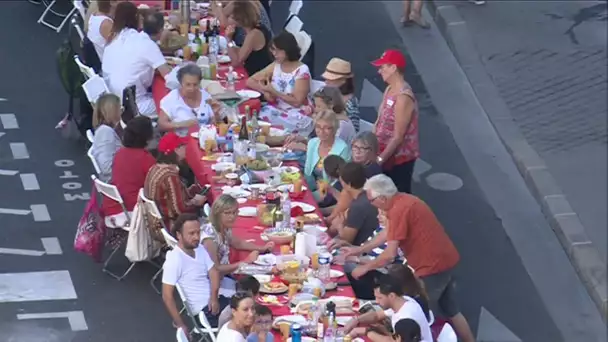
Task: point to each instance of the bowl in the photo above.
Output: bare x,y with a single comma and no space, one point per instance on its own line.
280,236
273,158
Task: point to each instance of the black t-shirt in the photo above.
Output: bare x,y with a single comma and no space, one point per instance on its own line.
363,217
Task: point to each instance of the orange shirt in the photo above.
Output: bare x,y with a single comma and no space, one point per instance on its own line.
421,237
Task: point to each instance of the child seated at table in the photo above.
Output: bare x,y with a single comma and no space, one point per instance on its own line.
245,284
332,165
260,332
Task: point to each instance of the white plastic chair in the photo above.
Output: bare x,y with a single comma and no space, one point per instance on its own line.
90,135
181,336
447,334
119,221
315,85
304,42
295,7
365,126
204,327
94,87
79,5
151,208
87,71
49,8
74,23
93,161
294,25
207,209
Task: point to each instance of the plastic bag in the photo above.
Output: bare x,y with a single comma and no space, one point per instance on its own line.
91,230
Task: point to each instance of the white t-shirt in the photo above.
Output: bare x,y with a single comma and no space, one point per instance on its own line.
228,335
131,59
191,274
412,310
178,111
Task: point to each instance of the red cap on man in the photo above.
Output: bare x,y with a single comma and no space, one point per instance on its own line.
170,142
390,56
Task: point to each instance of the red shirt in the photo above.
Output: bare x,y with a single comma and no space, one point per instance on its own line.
427,247
129,171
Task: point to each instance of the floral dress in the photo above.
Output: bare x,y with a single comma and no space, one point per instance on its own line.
283,114
227,284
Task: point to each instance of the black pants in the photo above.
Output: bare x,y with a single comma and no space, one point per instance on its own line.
364,286
401,174
213,319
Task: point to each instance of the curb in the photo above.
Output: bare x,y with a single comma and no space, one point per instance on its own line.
563,220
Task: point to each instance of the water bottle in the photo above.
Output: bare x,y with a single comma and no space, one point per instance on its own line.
229,140
230,78
324,267
296,332
330,332
286,208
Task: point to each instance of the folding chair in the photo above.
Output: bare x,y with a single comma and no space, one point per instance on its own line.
295,7
49,8
118,221
447,334
76,26
181,336
316,85
204,327
90,135
93,160
80,7
87,71
294,25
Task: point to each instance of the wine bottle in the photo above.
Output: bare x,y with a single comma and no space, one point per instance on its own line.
244,133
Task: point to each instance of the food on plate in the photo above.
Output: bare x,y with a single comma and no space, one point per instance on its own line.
210,158
309,218
289,177
274,286
257,165
269,299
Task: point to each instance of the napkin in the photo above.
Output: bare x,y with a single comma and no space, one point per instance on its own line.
297,211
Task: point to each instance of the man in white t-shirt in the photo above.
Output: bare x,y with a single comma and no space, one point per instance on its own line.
131,58
390,296
189,266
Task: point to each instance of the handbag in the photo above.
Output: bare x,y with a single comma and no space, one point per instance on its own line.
140,245
91,230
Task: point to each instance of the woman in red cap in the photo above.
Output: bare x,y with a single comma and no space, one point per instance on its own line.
397,124
164,185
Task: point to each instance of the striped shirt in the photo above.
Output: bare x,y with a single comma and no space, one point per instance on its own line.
352,111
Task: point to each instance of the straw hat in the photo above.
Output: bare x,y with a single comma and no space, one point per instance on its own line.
336,69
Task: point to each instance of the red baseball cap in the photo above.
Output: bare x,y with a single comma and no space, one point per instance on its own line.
170,142
394,57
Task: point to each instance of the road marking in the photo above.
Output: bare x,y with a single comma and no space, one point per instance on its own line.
3,99
36,286
29,181
419,168
51,246
19,151
371,96
491,329
444,181
40,212
23,252
14,211
76,318
1,134
9,121
8,172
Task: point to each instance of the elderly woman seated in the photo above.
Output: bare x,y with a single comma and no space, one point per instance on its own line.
286,86
217,238
188,105
318,148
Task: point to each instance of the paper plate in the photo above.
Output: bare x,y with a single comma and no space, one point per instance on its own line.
266,260
194,135
277,132
248,94
307,208
248,211
261,148
223,166
289,187
222,59
290,319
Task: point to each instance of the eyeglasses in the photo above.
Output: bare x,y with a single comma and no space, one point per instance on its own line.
231,212
360,148
264,322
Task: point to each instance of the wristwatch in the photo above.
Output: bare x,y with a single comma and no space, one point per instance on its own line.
231,44
379,160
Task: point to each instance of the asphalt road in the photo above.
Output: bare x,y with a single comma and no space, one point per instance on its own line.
491,274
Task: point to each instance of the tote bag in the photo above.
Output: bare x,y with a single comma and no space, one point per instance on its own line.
140,245
90,233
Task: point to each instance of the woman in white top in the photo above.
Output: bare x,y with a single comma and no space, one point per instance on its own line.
286,86
189,105
99,25
242,319
106,142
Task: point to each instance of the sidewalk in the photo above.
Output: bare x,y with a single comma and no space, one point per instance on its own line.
539,69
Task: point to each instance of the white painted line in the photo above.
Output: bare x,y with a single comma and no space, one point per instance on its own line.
29,181
51,246
8,172
36,286
1,134
24,252
3,99
76,318
9,121
40,212
19,151
14,211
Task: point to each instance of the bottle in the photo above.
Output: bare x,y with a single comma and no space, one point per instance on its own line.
198,42
314,314
205,47
286,208
247,112
244,133
229,141
296,332
213,66
230,78
324,267
330,332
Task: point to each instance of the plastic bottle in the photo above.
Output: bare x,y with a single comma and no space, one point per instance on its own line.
229,141
286,208
230,78
324,267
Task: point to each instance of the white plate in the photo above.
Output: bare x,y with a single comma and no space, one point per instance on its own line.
261,148
289,187
223,59
342,320
231,176
277,132
248,211
312,228
248,94
266,260
291,319
237,192
259,186
223,166
336,274
241,200
288,169
263,278
194,135
305,206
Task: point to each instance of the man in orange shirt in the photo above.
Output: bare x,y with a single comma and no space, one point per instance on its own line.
414,228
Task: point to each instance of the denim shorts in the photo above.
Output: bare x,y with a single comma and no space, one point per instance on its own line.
441,289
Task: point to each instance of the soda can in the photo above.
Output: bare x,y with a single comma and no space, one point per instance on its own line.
296,332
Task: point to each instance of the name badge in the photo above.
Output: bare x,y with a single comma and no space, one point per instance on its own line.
390,103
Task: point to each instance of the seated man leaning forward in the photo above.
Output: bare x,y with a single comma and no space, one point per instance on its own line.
132,57
189,267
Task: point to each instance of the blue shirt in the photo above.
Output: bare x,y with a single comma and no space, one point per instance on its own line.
254,338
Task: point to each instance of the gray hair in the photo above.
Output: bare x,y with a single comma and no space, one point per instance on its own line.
381,185
330,117
367,139
189,69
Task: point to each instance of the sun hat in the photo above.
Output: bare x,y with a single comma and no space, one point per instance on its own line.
336,69
170,142
390,56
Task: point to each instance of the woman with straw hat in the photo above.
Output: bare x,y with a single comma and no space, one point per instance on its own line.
338,74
